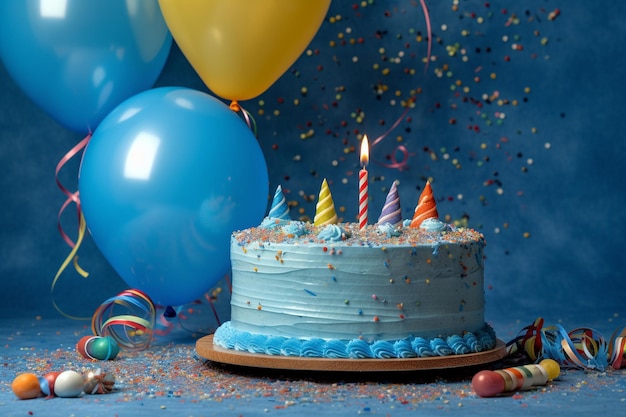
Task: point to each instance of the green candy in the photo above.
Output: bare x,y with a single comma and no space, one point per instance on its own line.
103,348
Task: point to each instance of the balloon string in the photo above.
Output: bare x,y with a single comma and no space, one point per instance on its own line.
82,226
395,163
72,197
429,32
402,150
236,107
164,326
217,316
230,286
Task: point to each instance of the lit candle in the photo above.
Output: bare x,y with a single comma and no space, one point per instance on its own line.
363,183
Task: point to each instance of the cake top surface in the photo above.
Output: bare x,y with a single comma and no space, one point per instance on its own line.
276,231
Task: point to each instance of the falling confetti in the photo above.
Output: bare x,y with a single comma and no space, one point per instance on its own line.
459,120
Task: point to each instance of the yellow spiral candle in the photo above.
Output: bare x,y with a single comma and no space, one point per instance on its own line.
325,208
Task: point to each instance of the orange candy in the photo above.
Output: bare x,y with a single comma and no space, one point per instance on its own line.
26,386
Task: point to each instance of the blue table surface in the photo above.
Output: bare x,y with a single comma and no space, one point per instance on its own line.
169,377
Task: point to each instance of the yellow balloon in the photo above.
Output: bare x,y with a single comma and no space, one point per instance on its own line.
239,48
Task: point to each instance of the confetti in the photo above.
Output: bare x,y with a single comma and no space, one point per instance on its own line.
356,79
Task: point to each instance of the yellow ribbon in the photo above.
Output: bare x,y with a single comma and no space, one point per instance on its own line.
72,257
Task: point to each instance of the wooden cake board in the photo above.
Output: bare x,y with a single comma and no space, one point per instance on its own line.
207,350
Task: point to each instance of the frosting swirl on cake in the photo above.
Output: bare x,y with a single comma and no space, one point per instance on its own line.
294,228
435,225
332,233
410,347
389,229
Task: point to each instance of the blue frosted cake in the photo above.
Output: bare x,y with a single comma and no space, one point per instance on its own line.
326,289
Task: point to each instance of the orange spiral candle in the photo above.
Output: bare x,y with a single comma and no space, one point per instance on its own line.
426,207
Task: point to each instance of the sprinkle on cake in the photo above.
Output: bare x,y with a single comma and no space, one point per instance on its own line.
424,229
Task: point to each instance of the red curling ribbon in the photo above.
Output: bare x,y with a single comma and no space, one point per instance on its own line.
429,32
530,342
213,309
400,165
72,197
230,286
395,163
163,326
582,348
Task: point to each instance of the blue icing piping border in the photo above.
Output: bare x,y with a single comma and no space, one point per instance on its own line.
411,347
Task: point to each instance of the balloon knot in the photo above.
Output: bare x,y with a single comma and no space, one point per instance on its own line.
169,312
234,106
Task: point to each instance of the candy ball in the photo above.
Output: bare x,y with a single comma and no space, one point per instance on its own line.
488,383
552,368
26,386
104,348
81,346
46,383
68,384
98,348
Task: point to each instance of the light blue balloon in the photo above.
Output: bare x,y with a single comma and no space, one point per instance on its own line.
78,59
164,181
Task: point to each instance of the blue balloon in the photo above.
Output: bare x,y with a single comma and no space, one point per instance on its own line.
165,179
78,59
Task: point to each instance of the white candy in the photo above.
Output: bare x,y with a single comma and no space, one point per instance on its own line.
68,384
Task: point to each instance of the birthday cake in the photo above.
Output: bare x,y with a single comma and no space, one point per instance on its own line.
397,289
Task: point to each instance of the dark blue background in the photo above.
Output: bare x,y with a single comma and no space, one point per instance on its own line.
544,183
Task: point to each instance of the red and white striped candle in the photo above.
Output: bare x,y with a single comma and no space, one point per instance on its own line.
363,183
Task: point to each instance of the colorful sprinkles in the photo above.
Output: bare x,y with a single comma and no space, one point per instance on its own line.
171,378
370,236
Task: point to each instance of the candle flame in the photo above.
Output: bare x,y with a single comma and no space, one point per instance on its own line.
365,151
